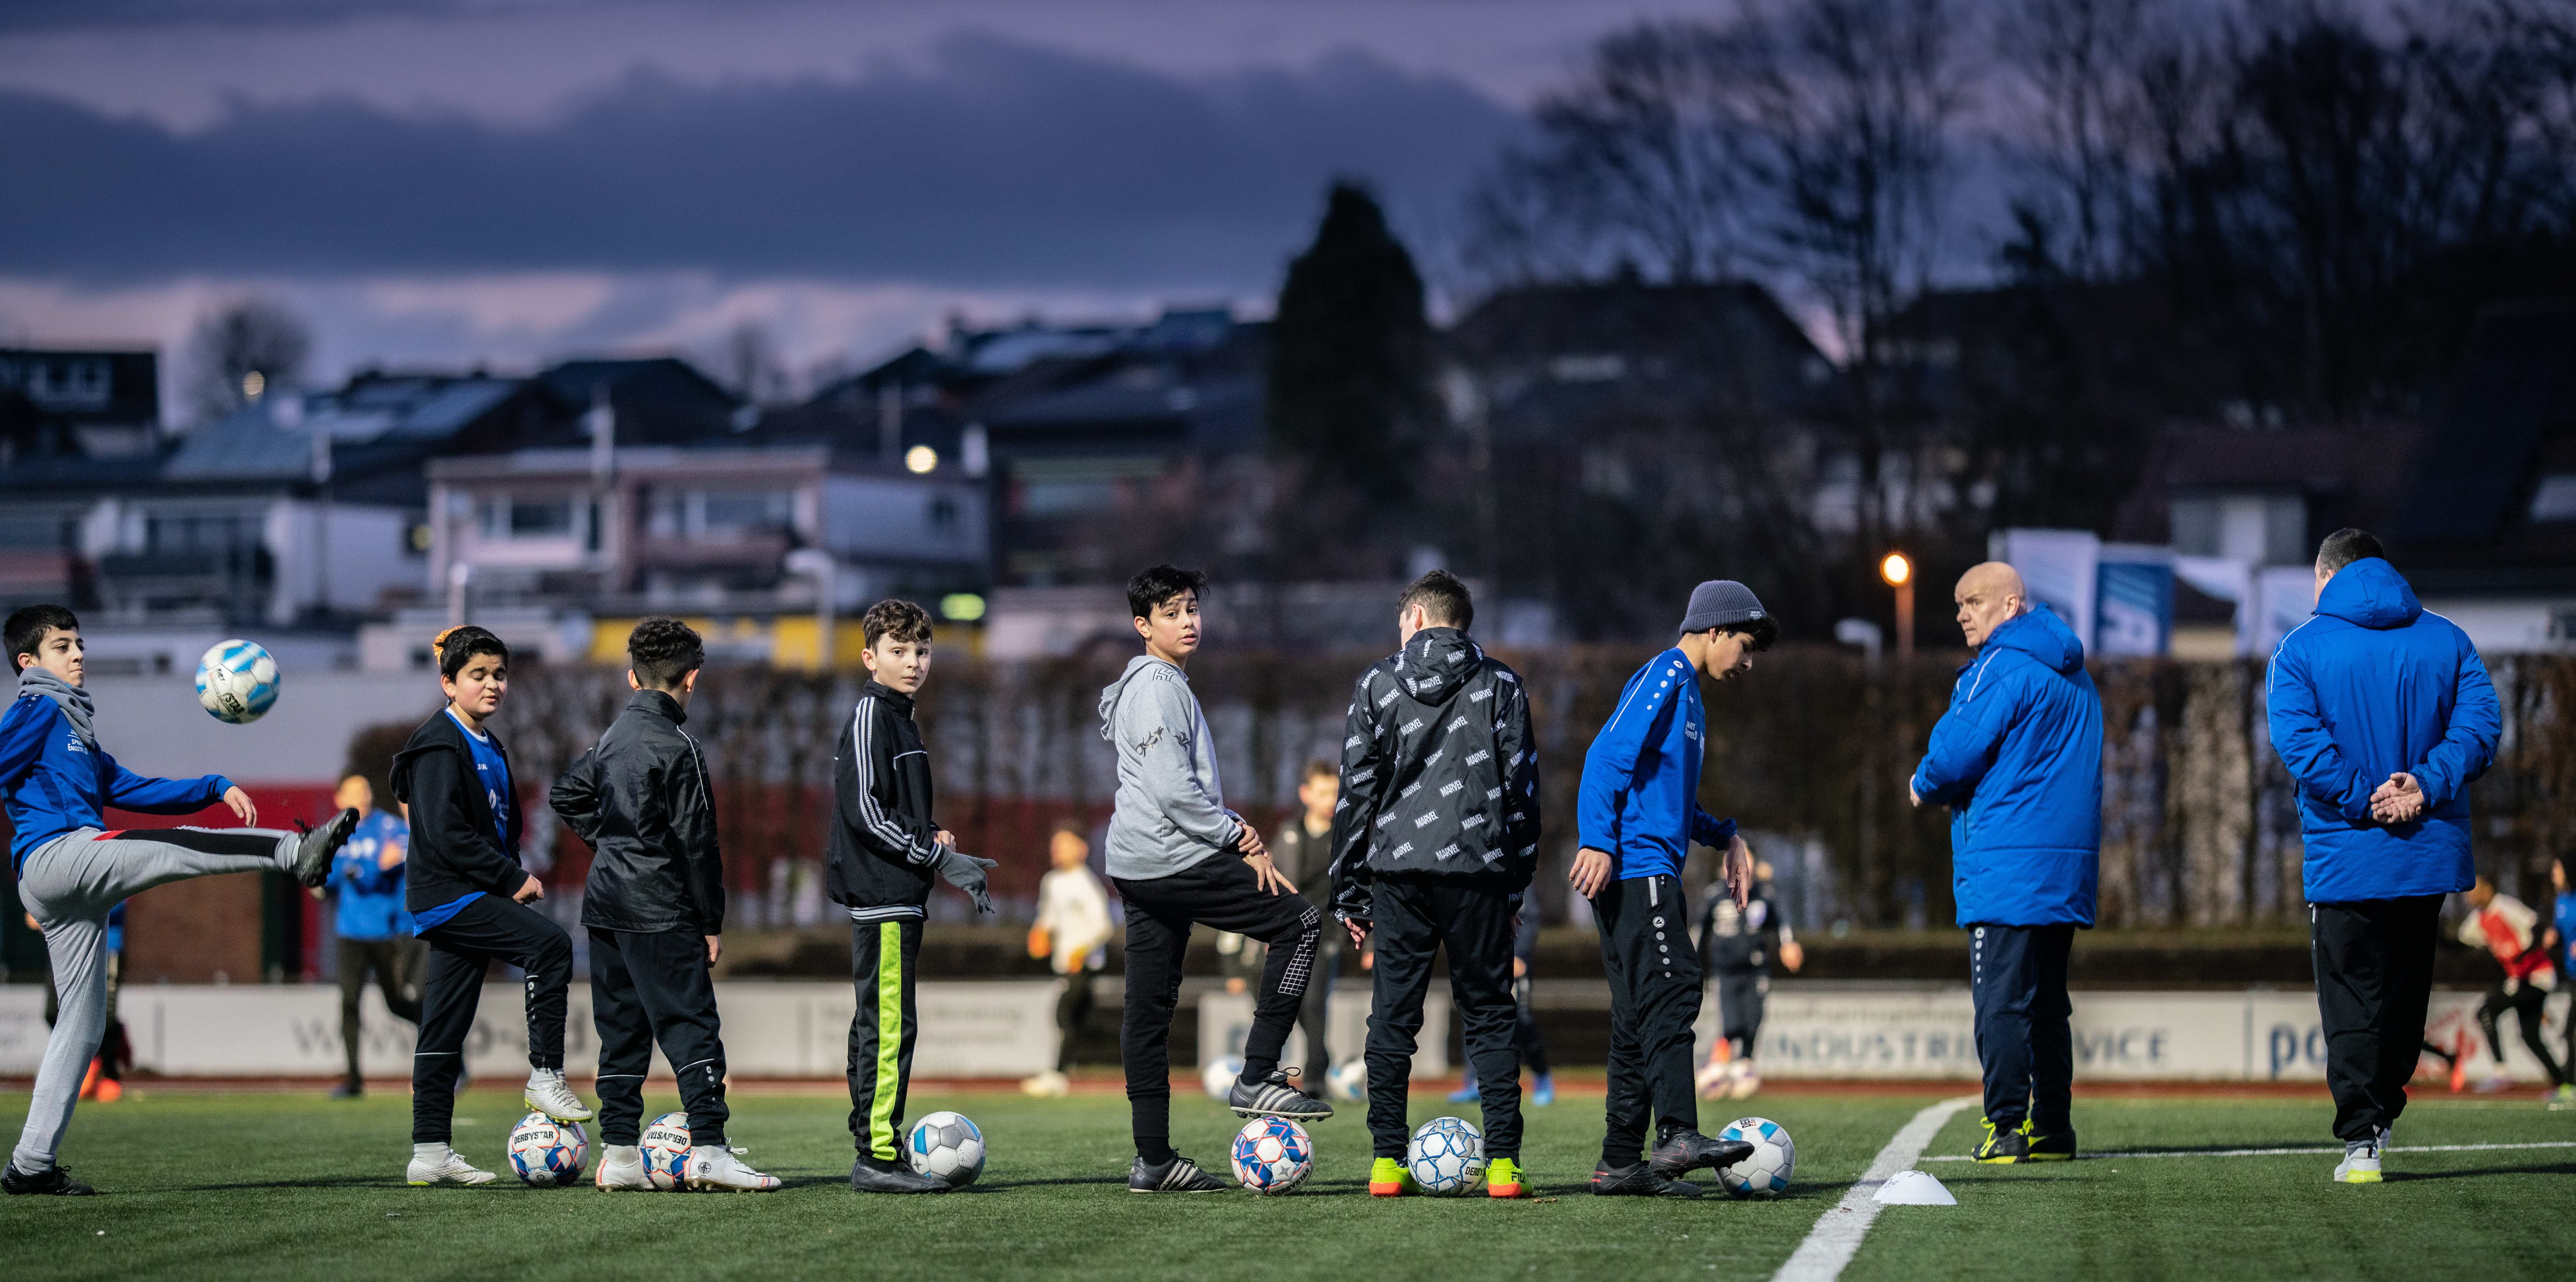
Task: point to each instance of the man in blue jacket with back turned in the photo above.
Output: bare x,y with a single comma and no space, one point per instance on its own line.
2383,713
2018,759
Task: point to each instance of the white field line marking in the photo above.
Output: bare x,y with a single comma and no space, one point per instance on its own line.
2304,1152
1830,1245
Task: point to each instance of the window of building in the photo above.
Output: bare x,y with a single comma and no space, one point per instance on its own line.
525,517
719,514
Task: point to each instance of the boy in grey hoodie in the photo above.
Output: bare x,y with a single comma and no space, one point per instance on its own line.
1179,857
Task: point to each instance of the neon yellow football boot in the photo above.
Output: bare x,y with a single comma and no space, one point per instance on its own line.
1388,1178
1503,1179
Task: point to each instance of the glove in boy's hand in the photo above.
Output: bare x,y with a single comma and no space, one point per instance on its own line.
967,873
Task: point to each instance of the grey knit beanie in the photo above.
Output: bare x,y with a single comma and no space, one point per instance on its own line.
1719,603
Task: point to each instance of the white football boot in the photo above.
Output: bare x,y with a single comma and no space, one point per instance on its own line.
621,1168
548,1094
1047,1085
439,1164
2360,1163
717,1170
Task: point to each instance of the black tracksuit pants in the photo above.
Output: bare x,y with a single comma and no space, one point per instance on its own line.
2525,1001
1531,1043
1221,893
883,955
391,960
1740,996
2025,1036
648,987
1072,1011
1471,918
1654,999
1314,1010
2374,964
492,928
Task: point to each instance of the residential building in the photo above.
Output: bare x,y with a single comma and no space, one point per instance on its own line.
92,403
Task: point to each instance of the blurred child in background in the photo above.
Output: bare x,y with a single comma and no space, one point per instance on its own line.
1072,933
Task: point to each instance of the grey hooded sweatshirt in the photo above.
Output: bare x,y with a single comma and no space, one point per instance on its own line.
1171,809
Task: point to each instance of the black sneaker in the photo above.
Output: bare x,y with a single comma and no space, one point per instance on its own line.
1180,1175
1272,1096
2054,1145
1685,1151
313,857
868,1175
55,1181
350,1089
2005,1147
1638,1179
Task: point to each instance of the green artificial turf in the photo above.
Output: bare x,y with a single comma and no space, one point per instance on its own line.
258,1186
2492,1215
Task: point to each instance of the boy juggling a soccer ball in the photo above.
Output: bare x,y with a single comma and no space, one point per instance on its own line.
1179,858
655,911
885,848
56,780
1639,813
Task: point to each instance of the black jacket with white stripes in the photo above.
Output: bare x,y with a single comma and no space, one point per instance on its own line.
1439,774
883,840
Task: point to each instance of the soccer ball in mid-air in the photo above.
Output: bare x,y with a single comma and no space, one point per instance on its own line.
665,1145
548,1153
1446,1156
946,1147
1218,1077
1766,1172
1273,1155
237,681
1348,1081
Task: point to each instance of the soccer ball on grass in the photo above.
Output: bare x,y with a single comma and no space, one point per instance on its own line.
547,1153
946,1147
1273,1155
665,1145
1348,1081
1766,1172
1446,1156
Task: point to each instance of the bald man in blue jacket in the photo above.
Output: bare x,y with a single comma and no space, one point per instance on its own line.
2018,759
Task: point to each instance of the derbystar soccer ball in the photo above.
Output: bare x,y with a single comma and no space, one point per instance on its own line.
548,1153
237,682
1219,1077
1273,1155
946,1147
665,1145
1446,1156
1348,1081
1766,1172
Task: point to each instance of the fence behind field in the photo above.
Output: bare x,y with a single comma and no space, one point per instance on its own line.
1812,750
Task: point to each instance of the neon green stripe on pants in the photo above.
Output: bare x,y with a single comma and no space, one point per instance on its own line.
889,1039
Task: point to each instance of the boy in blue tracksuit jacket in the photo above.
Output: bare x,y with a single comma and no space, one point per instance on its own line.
56,782
1638,814
2018,759
2383,713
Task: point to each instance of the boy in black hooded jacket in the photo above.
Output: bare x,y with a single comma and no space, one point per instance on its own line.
655,911
1434,842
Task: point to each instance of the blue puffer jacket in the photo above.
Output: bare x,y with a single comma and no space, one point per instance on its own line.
2018,759
2371,686
54,784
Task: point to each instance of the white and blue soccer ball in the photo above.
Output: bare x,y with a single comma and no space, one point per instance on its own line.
666,1145
547,1153
1218,1077
947,1147
1273,1155
1446,1156
1348,1081
237,681
1766,1172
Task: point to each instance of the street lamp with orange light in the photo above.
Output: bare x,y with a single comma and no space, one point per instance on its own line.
1899,574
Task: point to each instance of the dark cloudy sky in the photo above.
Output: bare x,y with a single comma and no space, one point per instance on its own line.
439,181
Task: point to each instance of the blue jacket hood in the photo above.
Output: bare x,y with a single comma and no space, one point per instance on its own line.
2043,636
2371,593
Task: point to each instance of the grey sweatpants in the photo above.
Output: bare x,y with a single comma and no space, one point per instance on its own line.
69,884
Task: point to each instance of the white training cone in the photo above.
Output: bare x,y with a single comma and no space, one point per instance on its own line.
1914,1188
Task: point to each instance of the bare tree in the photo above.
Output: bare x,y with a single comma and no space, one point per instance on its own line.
242,353
751,364
1640,161
2078,59
1856,100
